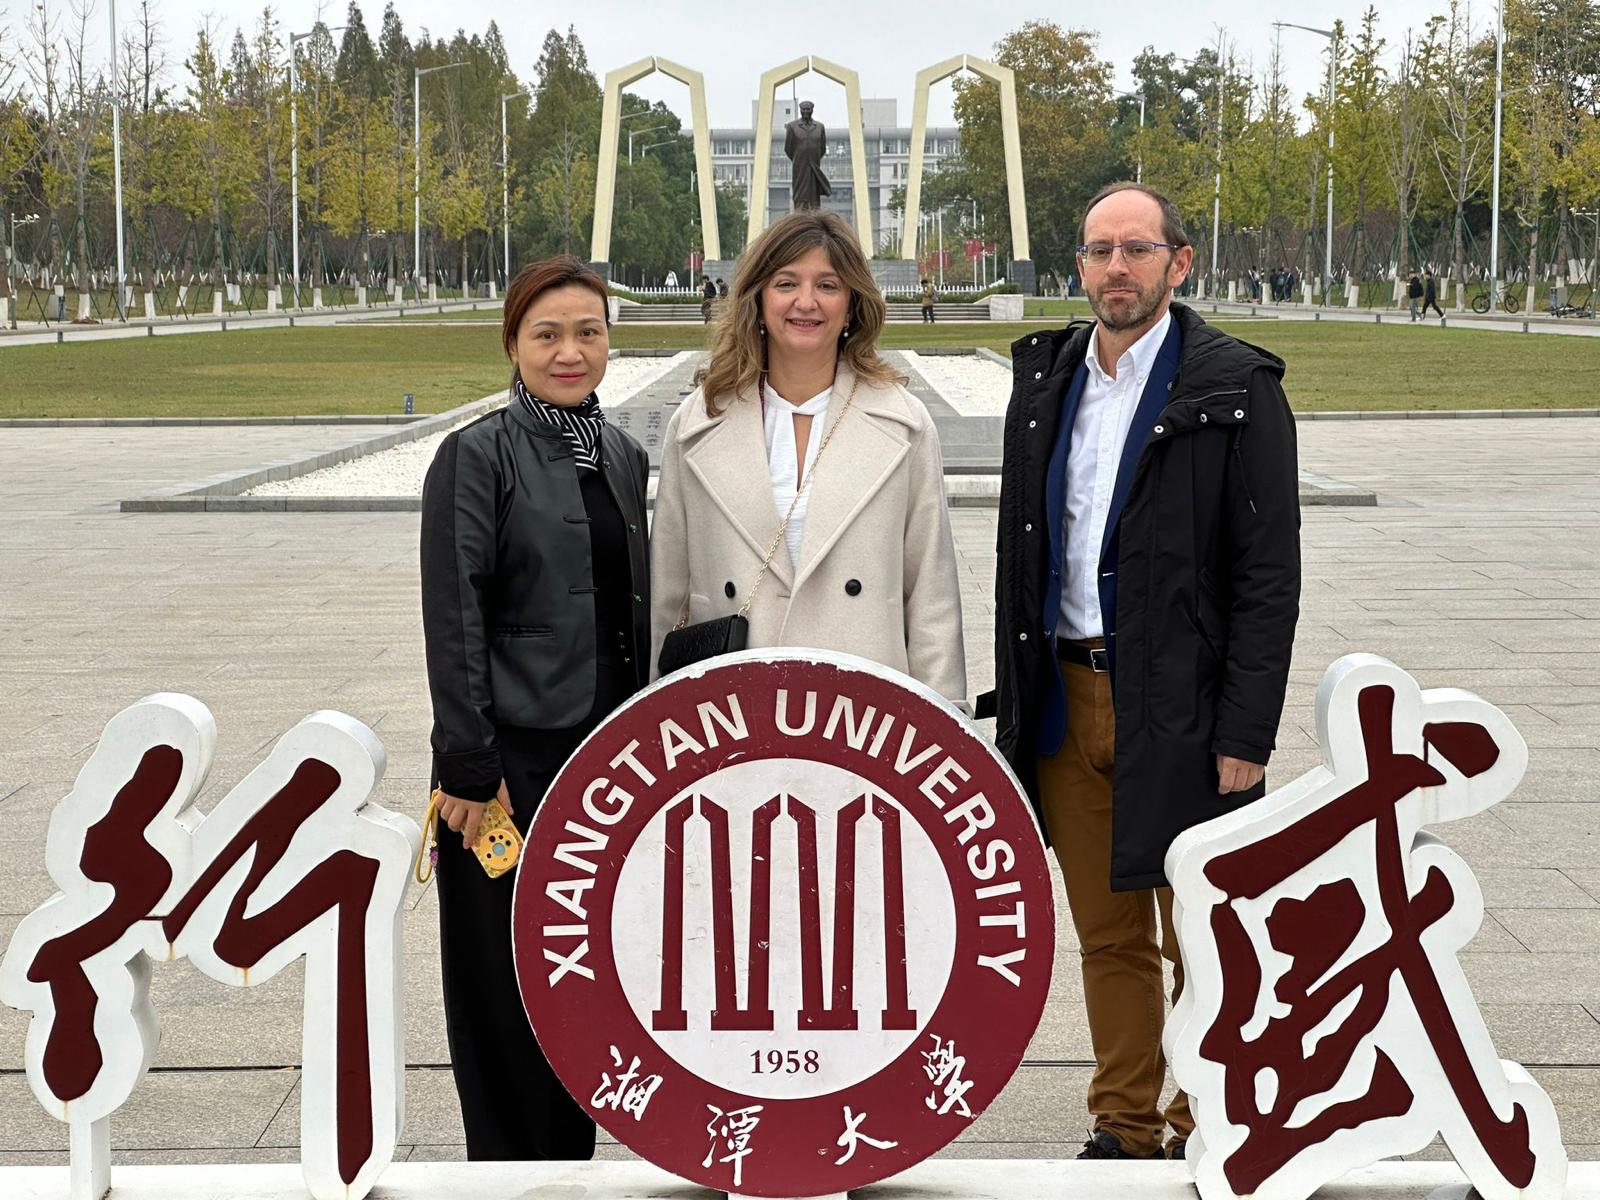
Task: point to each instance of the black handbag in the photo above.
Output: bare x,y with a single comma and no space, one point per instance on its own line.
687,644
702,640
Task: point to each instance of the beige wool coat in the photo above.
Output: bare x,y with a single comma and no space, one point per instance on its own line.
877,575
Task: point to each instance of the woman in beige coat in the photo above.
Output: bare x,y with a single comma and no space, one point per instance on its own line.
866,565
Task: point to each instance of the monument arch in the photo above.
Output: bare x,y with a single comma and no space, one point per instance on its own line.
605,182
1007,81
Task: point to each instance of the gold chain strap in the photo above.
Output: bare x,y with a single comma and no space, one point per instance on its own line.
766,561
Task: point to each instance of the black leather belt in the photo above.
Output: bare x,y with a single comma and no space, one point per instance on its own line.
1093,657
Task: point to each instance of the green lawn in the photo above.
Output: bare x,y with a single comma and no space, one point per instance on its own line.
368,369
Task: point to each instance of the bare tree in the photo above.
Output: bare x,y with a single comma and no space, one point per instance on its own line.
74,105
1463,93
1403,136
143,64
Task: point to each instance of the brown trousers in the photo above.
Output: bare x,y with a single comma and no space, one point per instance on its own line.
1122,980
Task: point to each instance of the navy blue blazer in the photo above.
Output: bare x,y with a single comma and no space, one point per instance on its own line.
1053,717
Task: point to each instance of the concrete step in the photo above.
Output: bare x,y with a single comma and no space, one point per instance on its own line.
898,311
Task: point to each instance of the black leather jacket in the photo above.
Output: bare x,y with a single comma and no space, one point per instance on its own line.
508,601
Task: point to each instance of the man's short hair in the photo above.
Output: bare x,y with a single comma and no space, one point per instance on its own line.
1172,230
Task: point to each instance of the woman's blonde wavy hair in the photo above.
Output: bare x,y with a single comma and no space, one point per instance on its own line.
739,350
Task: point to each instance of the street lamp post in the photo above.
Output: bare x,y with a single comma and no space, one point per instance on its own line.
633,133
1333,58
1216,194
1494,202
505,176
116,160
416,175
294,156
1139,170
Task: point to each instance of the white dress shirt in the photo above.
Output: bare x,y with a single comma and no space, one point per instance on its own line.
1098,435
781,458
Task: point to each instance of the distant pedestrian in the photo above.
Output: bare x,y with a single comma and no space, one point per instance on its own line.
1430,294
722,288
928,294
708,293
1414,294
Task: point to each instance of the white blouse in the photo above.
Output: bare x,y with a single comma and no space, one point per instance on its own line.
779,417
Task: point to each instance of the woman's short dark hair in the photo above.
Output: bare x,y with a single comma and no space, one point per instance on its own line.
537,278
1172,230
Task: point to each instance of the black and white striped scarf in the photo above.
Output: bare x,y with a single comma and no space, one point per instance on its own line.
581,424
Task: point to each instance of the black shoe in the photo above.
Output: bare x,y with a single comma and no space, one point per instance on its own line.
1102,1144
1176,1149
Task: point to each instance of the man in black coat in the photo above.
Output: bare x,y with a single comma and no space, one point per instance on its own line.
1147,592
1430,294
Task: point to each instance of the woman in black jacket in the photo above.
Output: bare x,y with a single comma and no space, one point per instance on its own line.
535,611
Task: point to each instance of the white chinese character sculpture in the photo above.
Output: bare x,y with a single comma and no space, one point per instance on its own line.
1325,1021
293,862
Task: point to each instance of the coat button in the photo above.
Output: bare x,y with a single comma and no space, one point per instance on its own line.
1160,429
1202,418
1033,341
852,587
638,599
728,589
1031,424
1028,528
1038,374
1238,414
633,529
1023,636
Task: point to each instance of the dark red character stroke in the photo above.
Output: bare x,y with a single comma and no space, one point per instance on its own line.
115,852
343,882
1315,933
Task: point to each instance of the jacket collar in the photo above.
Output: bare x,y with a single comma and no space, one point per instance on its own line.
728,455
1211,359
884,401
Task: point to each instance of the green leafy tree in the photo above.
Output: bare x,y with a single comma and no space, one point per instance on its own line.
1404,133
357,72
206,182
1359,122
1065,112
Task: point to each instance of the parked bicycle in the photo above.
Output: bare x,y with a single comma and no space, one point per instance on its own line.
1508,301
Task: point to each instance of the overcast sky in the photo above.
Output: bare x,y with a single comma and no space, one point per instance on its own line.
887,42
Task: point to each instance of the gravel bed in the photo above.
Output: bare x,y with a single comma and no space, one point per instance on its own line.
399,472
973,386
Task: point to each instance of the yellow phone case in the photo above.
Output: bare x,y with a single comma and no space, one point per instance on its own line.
498,847
499,844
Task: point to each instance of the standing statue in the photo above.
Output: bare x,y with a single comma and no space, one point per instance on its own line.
805,142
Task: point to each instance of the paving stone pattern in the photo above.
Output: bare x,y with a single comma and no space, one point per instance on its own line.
1480,569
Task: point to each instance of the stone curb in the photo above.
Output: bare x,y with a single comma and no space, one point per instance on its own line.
961,491
223,493
1408,414
58,333
170,422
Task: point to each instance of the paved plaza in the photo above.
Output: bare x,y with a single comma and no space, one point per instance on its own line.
1480,568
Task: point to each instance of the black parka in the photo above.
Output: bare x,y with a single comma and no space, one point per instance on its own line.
1208,583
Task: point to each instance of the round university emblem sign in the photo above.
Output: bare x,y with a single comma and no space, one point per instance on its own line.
784,924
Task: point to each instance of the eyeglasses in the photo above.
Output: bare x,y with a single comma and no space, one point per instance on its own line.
1135,254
